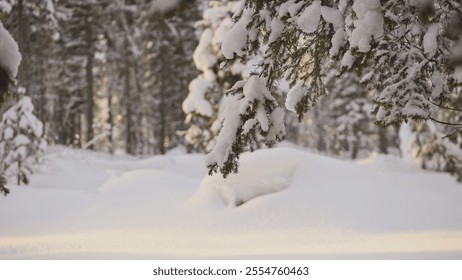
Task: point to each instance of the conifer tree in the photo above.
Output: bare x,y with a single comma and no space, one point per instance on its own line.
396,47
66,79
10,59
170,43
21,141
33,24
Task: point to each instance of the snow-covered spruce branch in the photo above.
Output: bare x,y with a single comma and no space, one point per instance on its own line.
254,113
206,102
397,48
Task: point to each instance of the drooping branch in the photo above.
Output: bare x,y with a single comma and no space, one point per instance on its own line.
445,123
445,107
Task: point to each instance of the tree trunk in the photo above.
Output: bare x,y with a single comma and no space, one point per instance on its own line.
128,109
24,47
162,118
42,101
162,89
355,150
19,173
383,141
110,121
321,139
89,78
61,127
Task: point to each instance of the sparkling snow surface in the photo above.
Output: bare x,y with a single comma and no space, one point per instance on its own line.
91,205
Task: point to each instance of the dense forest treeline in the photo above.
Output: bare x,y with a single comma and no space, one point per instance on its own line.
105,75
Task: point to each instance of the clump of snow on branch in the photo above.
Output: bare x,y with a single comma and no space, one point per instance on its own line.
9,53
235,41
204,57
276,28
222,149
196,102
310,18
308,21
294,96
368,25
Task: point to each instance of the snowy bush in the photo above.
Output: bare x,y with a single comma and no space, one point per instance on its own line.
9,63
21,141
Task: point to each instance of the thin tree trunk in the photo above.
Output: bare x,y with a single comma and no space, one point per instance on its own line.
128,108
321,139
110,121
163,122
355,150
79,131
62,130
24,47
42,104
383,141
89,78
19,173
162,89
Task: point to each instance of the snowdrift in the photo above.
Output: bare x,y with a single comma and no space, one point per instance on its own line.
284,203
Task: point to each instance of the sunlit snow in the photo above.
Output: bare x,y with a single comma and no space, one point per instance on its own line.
284,203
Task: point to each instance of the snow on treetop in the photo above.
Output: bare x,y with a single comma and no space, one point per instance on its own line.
27,120
9,52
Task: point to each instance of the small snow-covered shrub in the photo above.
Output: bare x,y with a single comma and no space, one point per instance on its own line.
21,141
9,63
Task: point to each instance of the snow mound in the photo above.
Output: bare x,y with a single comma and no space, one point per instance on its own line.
298,205
261,173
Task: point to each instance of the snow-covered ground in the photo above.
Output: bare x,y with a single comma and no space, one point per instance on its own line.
91,205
